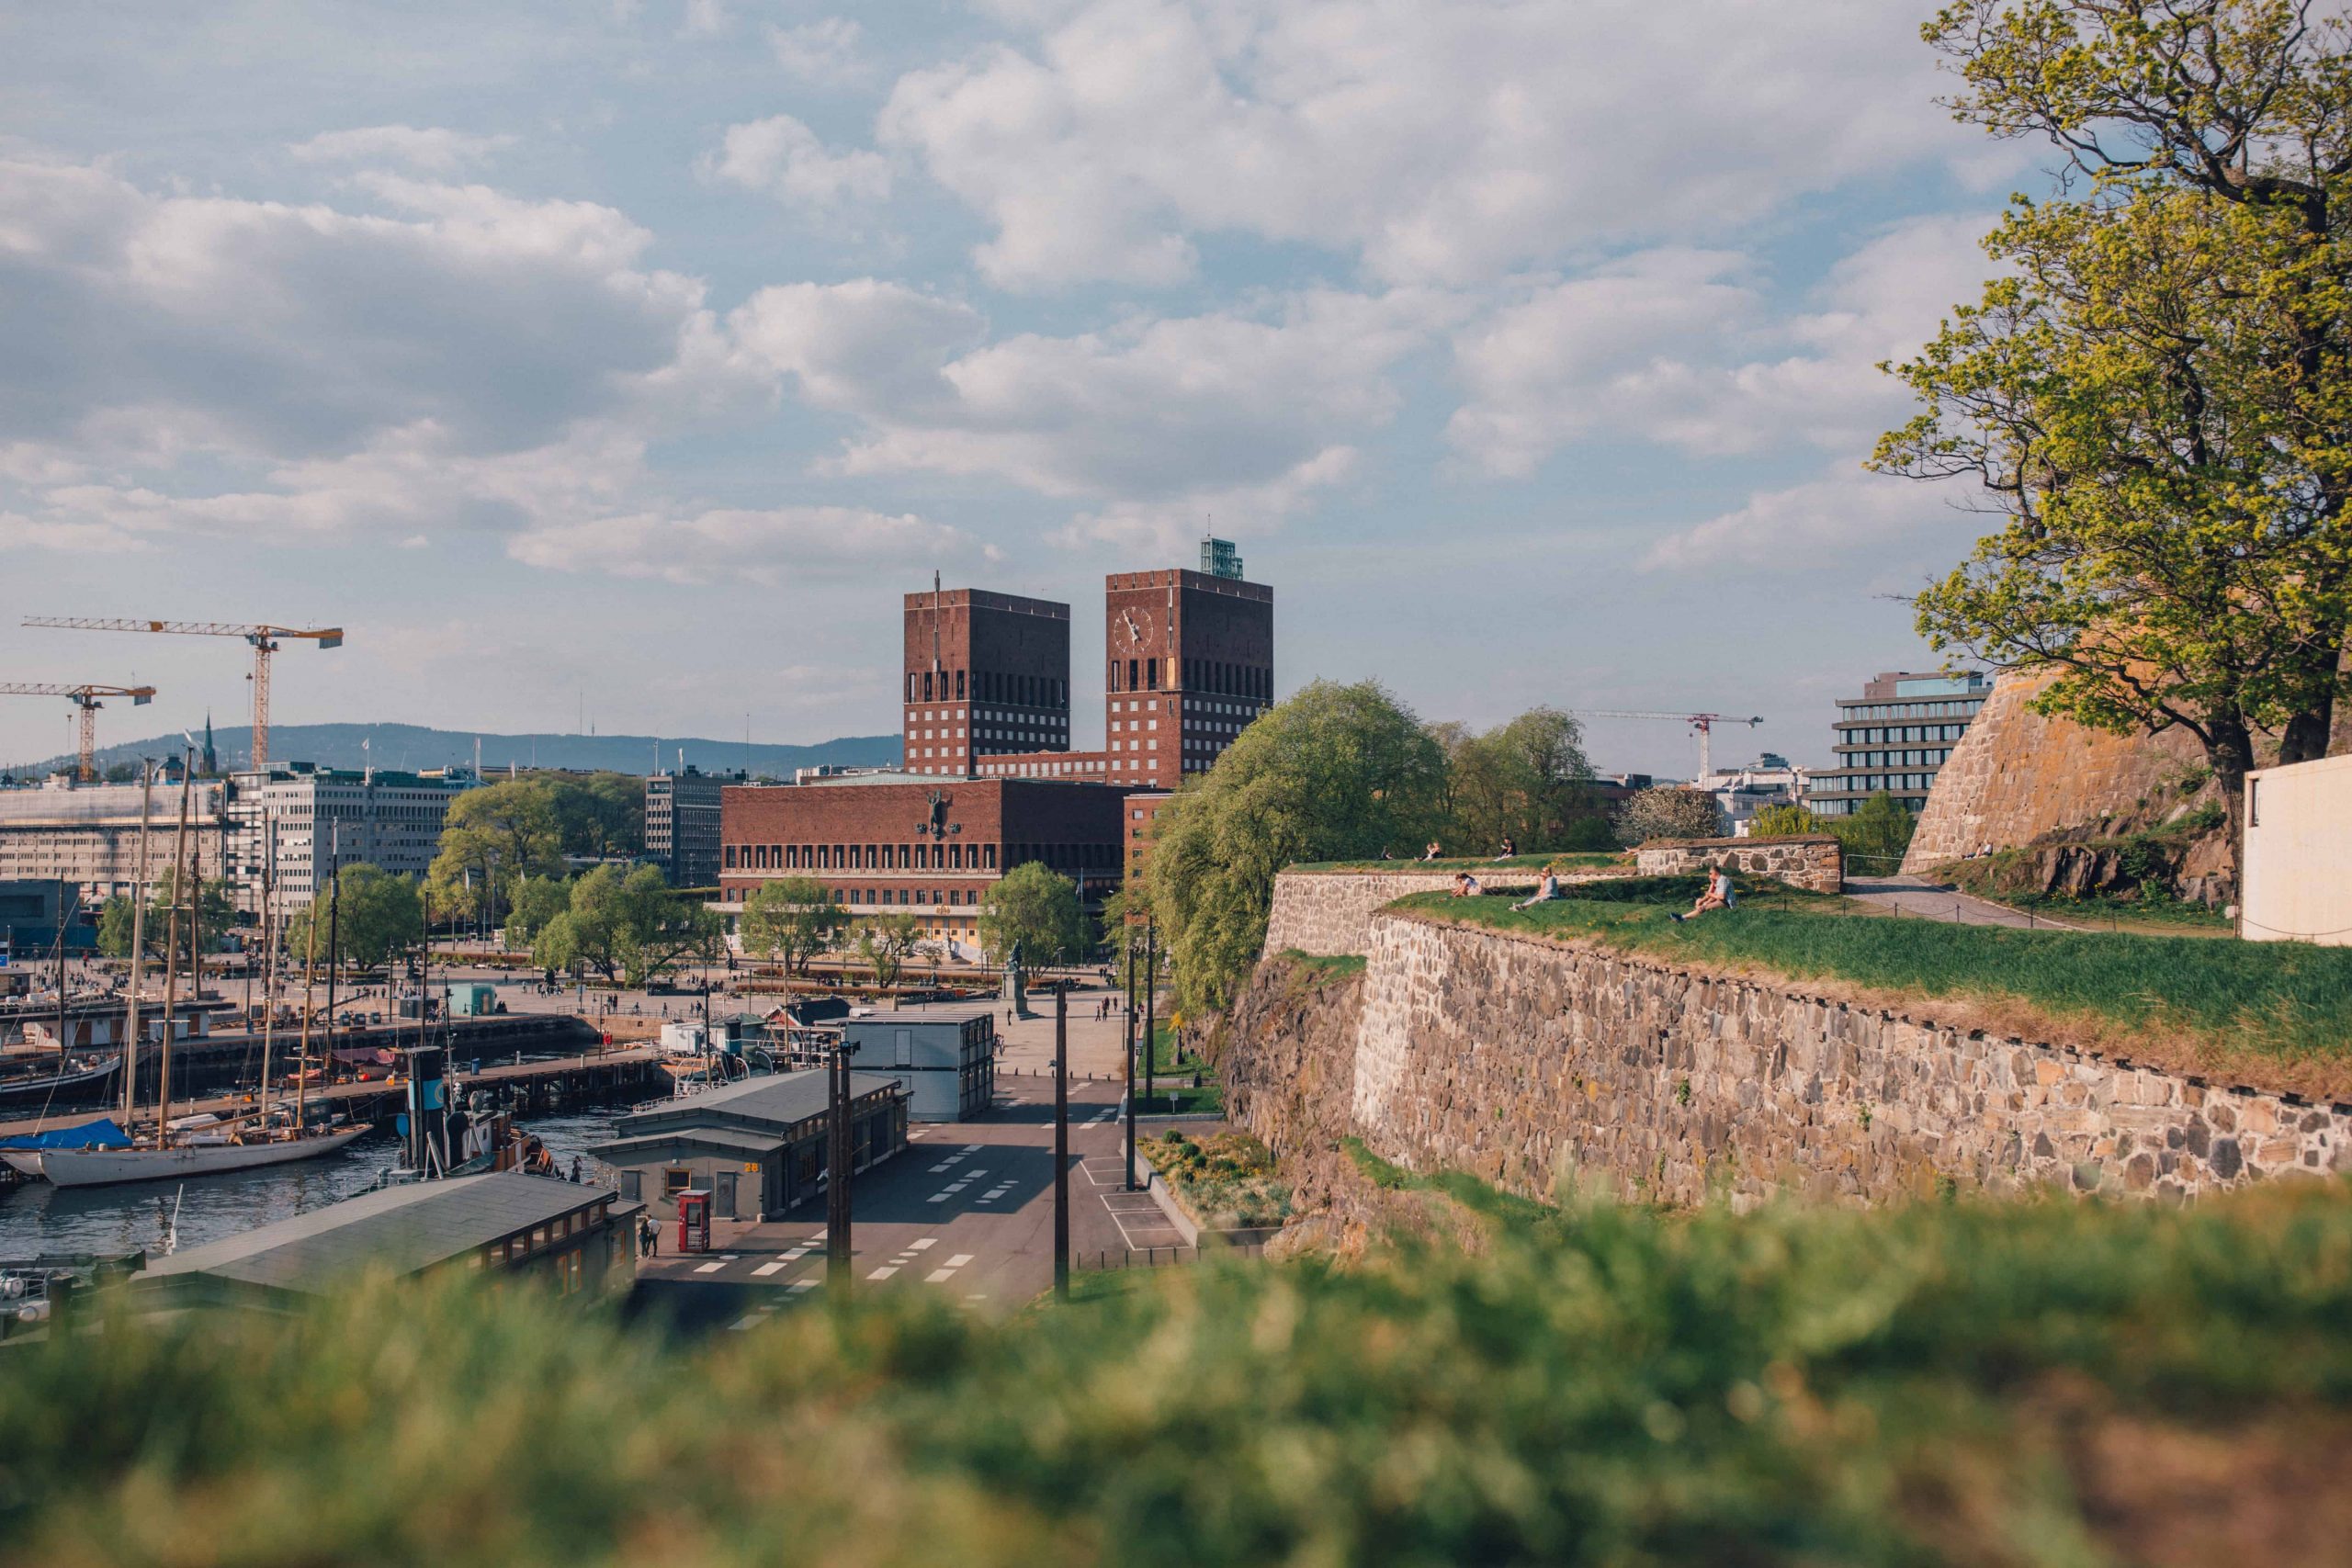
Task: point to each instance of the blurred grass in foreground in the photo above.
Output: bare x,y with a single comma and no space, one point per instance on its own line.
2274,1010
1965,1383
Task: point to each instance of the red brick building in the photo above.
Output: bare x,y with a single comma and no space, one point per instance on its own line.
985,674
889,843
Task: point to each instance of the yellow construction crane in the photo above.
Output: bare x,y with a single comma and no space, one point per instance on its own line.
263,638
1704,723
84,697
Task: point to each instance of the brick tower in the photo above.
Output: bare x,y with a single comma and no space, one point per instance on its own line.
1191,662
986,674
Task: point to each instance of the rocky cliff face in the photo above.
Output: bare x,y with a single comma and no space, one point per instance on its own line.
2019,778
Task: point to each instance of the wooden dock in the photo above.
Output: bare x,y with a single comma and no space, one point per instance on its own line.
532,1087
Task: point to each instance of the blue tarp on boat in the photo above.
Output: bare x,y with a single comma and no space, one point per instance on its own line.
103,1134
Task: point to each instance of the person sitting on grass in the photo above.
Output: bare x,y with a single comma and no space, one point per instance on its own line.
1546,890
1432,853
1718,896
1510,848
1466,885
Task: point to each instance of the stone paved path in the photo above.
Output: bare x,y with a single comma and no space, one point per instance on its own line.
1916,897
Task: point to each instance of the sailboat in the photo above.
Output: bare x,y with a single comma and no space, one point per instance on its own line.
201,1145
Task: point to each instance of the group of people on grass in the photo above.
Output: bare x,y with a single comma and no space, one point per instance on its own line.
1719,893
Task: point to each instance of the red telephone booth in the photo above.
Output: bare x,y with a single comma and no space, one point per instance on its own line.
693,1222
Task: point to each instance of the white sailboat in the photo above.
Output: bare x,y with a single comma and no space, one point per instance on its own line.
202,1145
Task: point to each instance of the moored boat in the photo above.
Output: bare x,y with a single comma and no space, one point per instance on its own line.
101,1167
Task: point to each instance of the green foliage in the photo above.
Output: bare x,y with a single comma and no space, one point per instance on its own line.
1787,822
538,901
2157,393
1934,1384
492,837
2272,1009
790,920
1335,772
373,916
626,926
601,816
887,942
1036,907
1875,834
1665,812
1225,1180
1524,780
216,914
1333,966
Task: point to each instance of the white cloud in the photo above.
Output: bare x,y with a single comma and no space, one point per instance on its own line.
224,365
1152,413
773,546
1447,141
1847,514
779,156
1677,347
703,19
822,52
432,150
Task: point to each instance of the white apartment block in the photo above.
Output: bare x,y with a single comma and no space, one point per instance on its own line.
325,818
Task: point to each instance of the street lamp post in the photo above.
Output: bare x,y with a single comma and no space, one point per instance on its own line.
1061,1146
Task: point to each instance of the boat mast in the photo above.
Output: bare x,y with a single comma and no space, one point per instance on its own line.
172,955
138,945
310,957
334,937
269,957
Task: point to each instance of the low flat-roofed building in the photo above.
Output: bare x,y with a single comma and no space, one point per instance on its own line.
758,1146
574,1237
945,1061
2296,872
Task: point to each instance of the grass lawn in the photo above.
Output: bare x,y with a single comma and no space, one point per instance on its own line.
1320,966
1565,860
2276,1012
2038,1386
1173,1093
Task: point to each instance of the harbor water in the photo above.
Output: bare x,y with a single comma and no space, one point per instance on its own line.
36,1218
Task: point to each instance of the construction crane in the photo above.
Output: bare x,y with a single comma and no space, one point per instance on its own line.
263,638
1704,723
84,697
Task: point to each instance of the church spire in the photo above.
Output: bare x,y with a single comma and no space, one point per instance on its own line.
212,762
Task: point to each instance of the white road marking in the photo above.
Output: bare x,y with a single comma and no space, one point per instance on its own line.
937,1169
959,1260
884,1272
936,1197
936,1275
798,1253
800,1285
744,1322
764,1269
974,1148
712,1267
926,1242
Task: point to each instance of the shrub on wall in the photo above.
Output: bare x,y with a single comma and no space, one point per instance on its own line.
1666,812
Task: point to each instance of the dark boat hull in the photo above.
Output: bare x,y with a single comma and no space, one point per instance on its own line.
71,1087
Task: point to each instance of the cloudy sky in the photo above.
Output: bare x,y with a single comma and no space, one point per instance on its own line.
637,354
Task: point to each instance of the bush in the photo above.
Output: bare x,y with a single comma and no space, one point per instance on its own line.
1666,812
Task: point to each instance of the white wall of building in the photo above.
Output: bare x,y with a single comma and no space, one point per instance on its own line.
2296,881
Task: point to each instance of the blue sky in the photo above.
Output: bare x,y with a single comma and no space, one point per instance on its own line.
643,353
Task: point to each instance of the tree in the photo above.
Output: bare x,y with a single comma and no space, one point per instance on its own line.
601,816
1663,811
1876,834
2157,398
1036,908
887,942
1336,773
121,774
790,920
492,838
1787,821
1524,780
537,900
375,917
628,926
216,915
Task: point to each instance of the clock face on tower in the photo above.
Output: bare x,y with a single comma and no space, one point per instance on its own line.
1135,626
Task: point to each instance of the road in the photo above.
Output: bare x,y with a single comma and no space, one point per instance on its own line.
1919,900
967,1212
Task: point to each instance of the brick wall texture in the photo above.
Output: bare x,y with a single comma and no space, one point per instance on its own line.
1816,862
1529,1062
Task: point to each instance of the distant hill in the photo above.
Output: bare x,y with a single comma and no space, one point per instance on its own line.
412,746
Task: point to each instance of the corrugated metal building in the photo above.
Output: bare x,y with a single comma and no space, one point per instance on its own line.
758,1146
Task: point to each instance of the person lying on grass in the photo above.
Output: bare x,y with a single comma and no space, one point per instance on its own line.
1466,885
1718,896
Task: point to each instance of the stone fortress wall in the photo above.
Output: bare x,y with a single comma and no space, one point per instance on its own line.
1528,1061
1816,862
